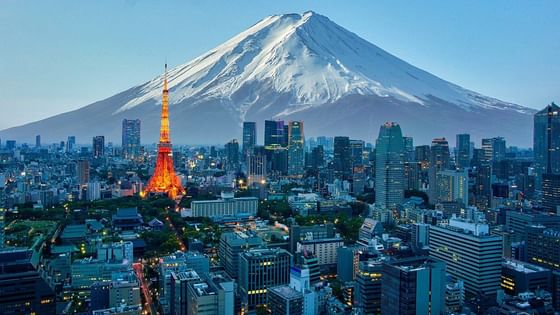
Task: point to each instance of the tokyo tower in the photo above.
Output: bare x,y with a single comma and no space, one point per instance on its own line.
164,179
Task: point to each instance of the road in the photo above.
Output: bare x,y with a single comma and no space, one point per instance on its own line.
148,305
182,245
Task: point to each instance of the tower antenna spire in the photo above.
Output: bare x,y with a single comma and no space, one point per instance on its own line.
164,179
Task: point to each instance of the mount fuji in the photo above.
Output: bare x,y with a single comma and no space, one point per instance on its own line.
293,67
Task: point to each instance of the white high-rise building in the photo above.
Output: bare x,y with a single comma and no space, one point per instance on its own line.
453,185
93,191
300,281
472,255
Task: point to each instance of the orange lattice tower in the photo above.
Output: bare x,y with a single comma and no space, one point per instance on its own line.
164,179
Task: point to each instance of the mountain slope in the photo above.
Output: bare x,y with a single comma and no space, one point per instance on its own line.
294,67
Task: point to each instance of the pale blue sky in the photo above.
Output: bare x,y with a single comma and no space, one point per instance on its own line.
57,56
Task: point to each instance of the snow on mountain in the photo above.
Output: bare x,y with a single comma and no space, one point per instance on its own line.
312,58
296,66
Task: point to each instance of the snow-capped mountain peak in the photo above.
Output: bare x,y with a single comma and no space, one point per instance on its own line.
295,66
309,57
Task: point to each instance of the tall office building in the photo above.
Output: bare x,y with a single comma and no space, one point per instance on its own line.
256,162
38,141
439,161
543,246
422,154
518,222
260,270
82,172
408,149
412,175
231,245
273,133
463,151
389,166
98,146
317,157
249,136
453,186
471,254
22,290
551,192
367,294
70,143
300,280
498,148
357,153
284,300
494,149
176,299
232,155
130,138
413,286
348,263
211,295
296,155
302,232
520,277
546,142
342,160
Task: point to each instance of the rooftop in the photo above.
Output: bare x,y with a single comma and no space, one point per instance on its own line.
521,266
127,212
286,292
74,231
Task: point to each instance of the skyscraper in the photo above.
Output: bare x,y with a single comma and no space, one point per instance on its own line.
546,142
70,143
259,270
130,138
249,136
543,246
273,133
23,290
232,155
98,146
38,141
82,172
494,149
439,161
368,287
231,245
413,286
164,179
408,149
342,160
357,153
296,156
551,192
256,165
463,157
389,166
453,186
471,254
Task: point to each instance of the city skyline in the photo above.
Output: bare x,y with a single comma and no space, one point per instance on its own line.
309,164
490,73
